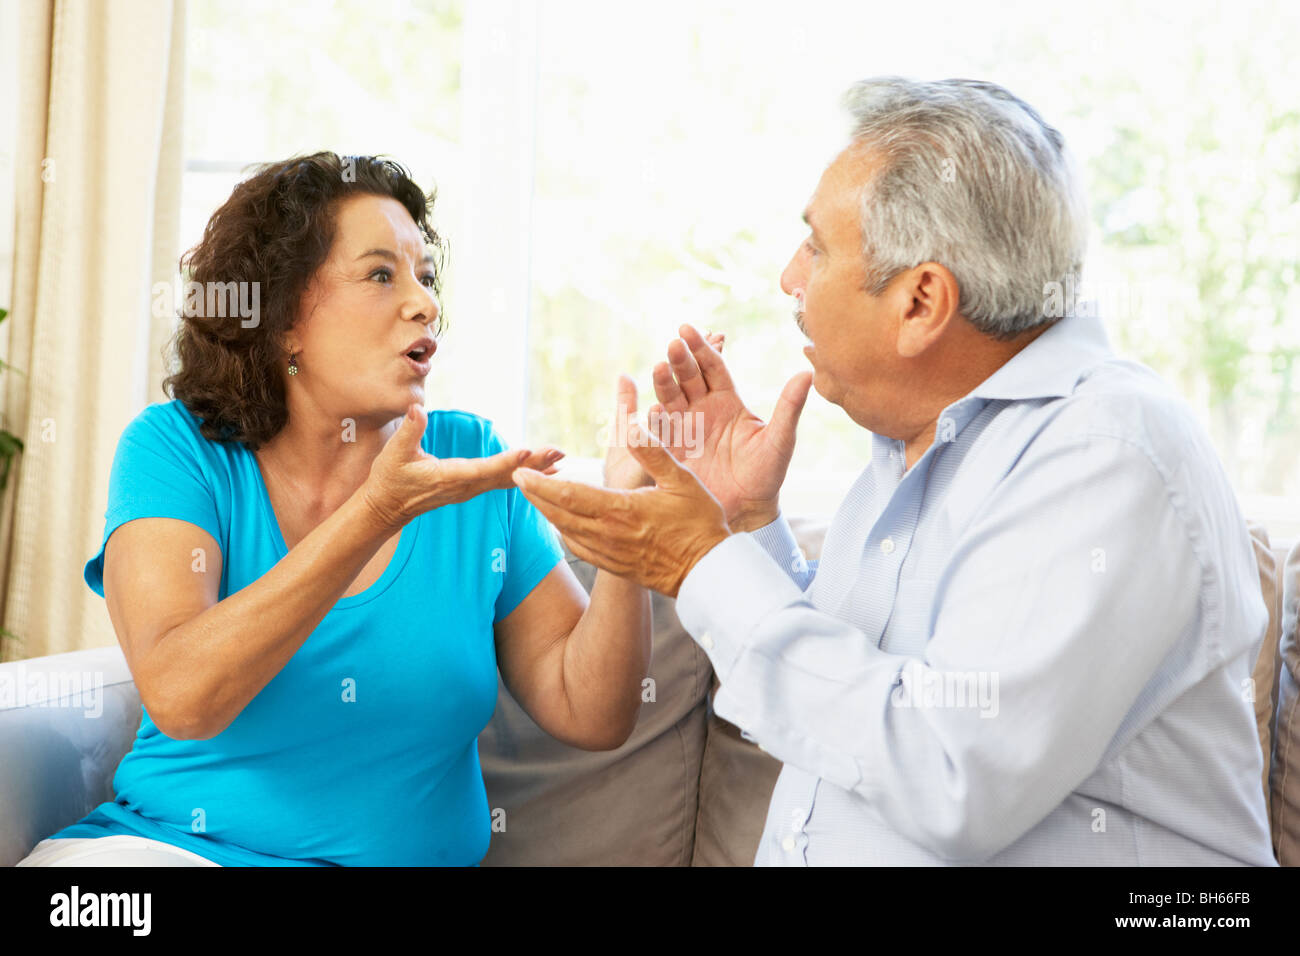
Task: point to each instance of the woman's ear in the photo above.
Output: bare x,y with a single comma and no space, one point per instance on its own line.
288,342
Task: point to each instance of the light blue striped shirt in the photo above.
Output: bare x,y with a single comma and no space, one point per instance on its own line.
1032,647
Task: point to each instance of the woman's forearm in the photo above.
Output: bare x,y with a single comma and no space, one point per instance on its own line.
606,658
208,669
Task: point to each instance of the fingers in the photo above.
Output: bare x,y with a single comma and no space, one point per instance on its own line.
584,547
410,433
542,458
785,417
625,409
669,393
694,368
565,497
659,424
494,471
710,363
652,455
687,371
626,391
568,523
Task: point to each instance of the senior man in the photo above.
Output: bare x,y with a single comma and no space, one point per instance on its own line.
1030,634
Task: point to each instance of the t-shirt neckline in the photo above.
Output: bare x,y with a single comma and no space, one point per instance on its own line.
405,543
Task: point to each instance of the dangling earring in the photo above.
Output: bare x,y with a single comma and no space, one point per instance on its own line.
293,364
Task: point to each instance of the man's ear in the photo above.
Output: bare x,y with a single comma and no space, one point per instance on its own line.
928,298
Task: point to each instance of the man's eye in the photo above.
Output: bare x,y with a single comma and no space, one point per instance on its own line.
810,247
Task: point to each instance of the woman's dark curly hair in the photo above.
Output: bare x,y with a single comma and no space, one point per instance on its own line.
275,230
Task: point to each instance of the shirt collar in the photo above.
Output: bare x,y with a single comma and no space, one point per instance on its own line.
1050,365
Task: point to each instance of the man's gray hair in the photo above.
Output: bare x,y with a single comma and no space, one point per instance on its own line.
973,179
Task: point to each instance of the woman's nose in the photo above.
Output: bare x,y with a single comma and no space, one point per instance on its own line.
424,306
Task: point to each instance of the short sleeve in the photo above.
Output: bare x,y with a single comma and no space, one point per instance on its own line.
157,473
533,547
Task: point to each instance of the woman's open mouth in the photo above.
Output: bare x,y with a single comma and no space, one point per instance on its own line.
420,356
420,366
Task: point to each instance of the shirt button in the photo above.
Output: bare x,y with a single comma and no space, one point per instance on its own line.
706,641
887,546
787,843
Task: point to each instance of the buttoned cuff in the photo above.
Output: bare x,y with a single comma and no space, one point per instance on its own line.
727,595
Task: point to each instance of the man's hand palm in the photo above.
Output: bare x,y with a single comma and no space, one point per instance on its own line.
735,457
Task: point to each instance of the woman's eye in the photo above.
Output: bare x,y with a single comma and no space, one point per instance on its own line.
429,281
382,272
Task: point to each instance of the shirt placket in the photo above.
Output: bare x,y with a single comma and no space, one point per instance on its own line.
789,837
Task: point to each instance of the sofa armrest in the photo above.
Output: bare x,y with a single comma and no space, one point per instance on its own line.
66,721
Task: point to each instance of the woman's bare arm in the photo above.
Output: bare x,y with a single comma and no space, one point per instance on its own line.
576,665
197,661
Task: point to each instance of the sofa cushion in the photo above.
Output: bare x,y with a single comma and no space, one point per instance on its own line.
634,806
737,778
1264,675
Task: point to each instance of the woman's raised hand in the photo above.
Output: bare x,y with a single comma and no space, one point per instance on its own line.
406,481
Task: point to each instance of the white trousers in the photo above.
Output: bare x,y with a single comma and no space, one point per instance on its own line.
117,850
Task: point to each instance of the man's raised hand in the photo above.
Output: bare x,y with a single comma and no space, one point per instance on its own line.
652,535
741,459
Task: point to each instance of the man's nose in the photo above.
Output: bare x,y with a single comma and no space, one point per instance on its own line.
790,277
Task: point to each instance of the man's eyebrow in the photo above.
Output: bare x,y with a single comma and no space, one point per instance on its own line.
807,218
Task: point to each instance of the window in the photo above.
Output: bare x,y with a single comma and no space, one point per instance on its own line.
609,171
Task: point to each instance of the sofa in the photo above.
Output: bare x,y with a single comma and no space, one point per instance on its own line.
685,789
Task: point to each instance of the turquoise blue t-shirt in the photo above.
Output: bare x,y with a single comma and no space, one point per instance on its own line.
362,750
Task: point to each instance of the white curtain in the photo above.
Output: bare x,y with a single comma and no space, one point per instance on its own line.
97,166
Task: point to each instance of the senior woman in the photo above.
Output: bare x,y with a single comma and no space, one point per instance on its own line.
313,582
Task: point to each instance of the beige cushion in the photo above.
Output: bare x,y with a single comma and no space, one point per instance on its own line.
1285,776
736,782
737,778
1264,676
634,806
